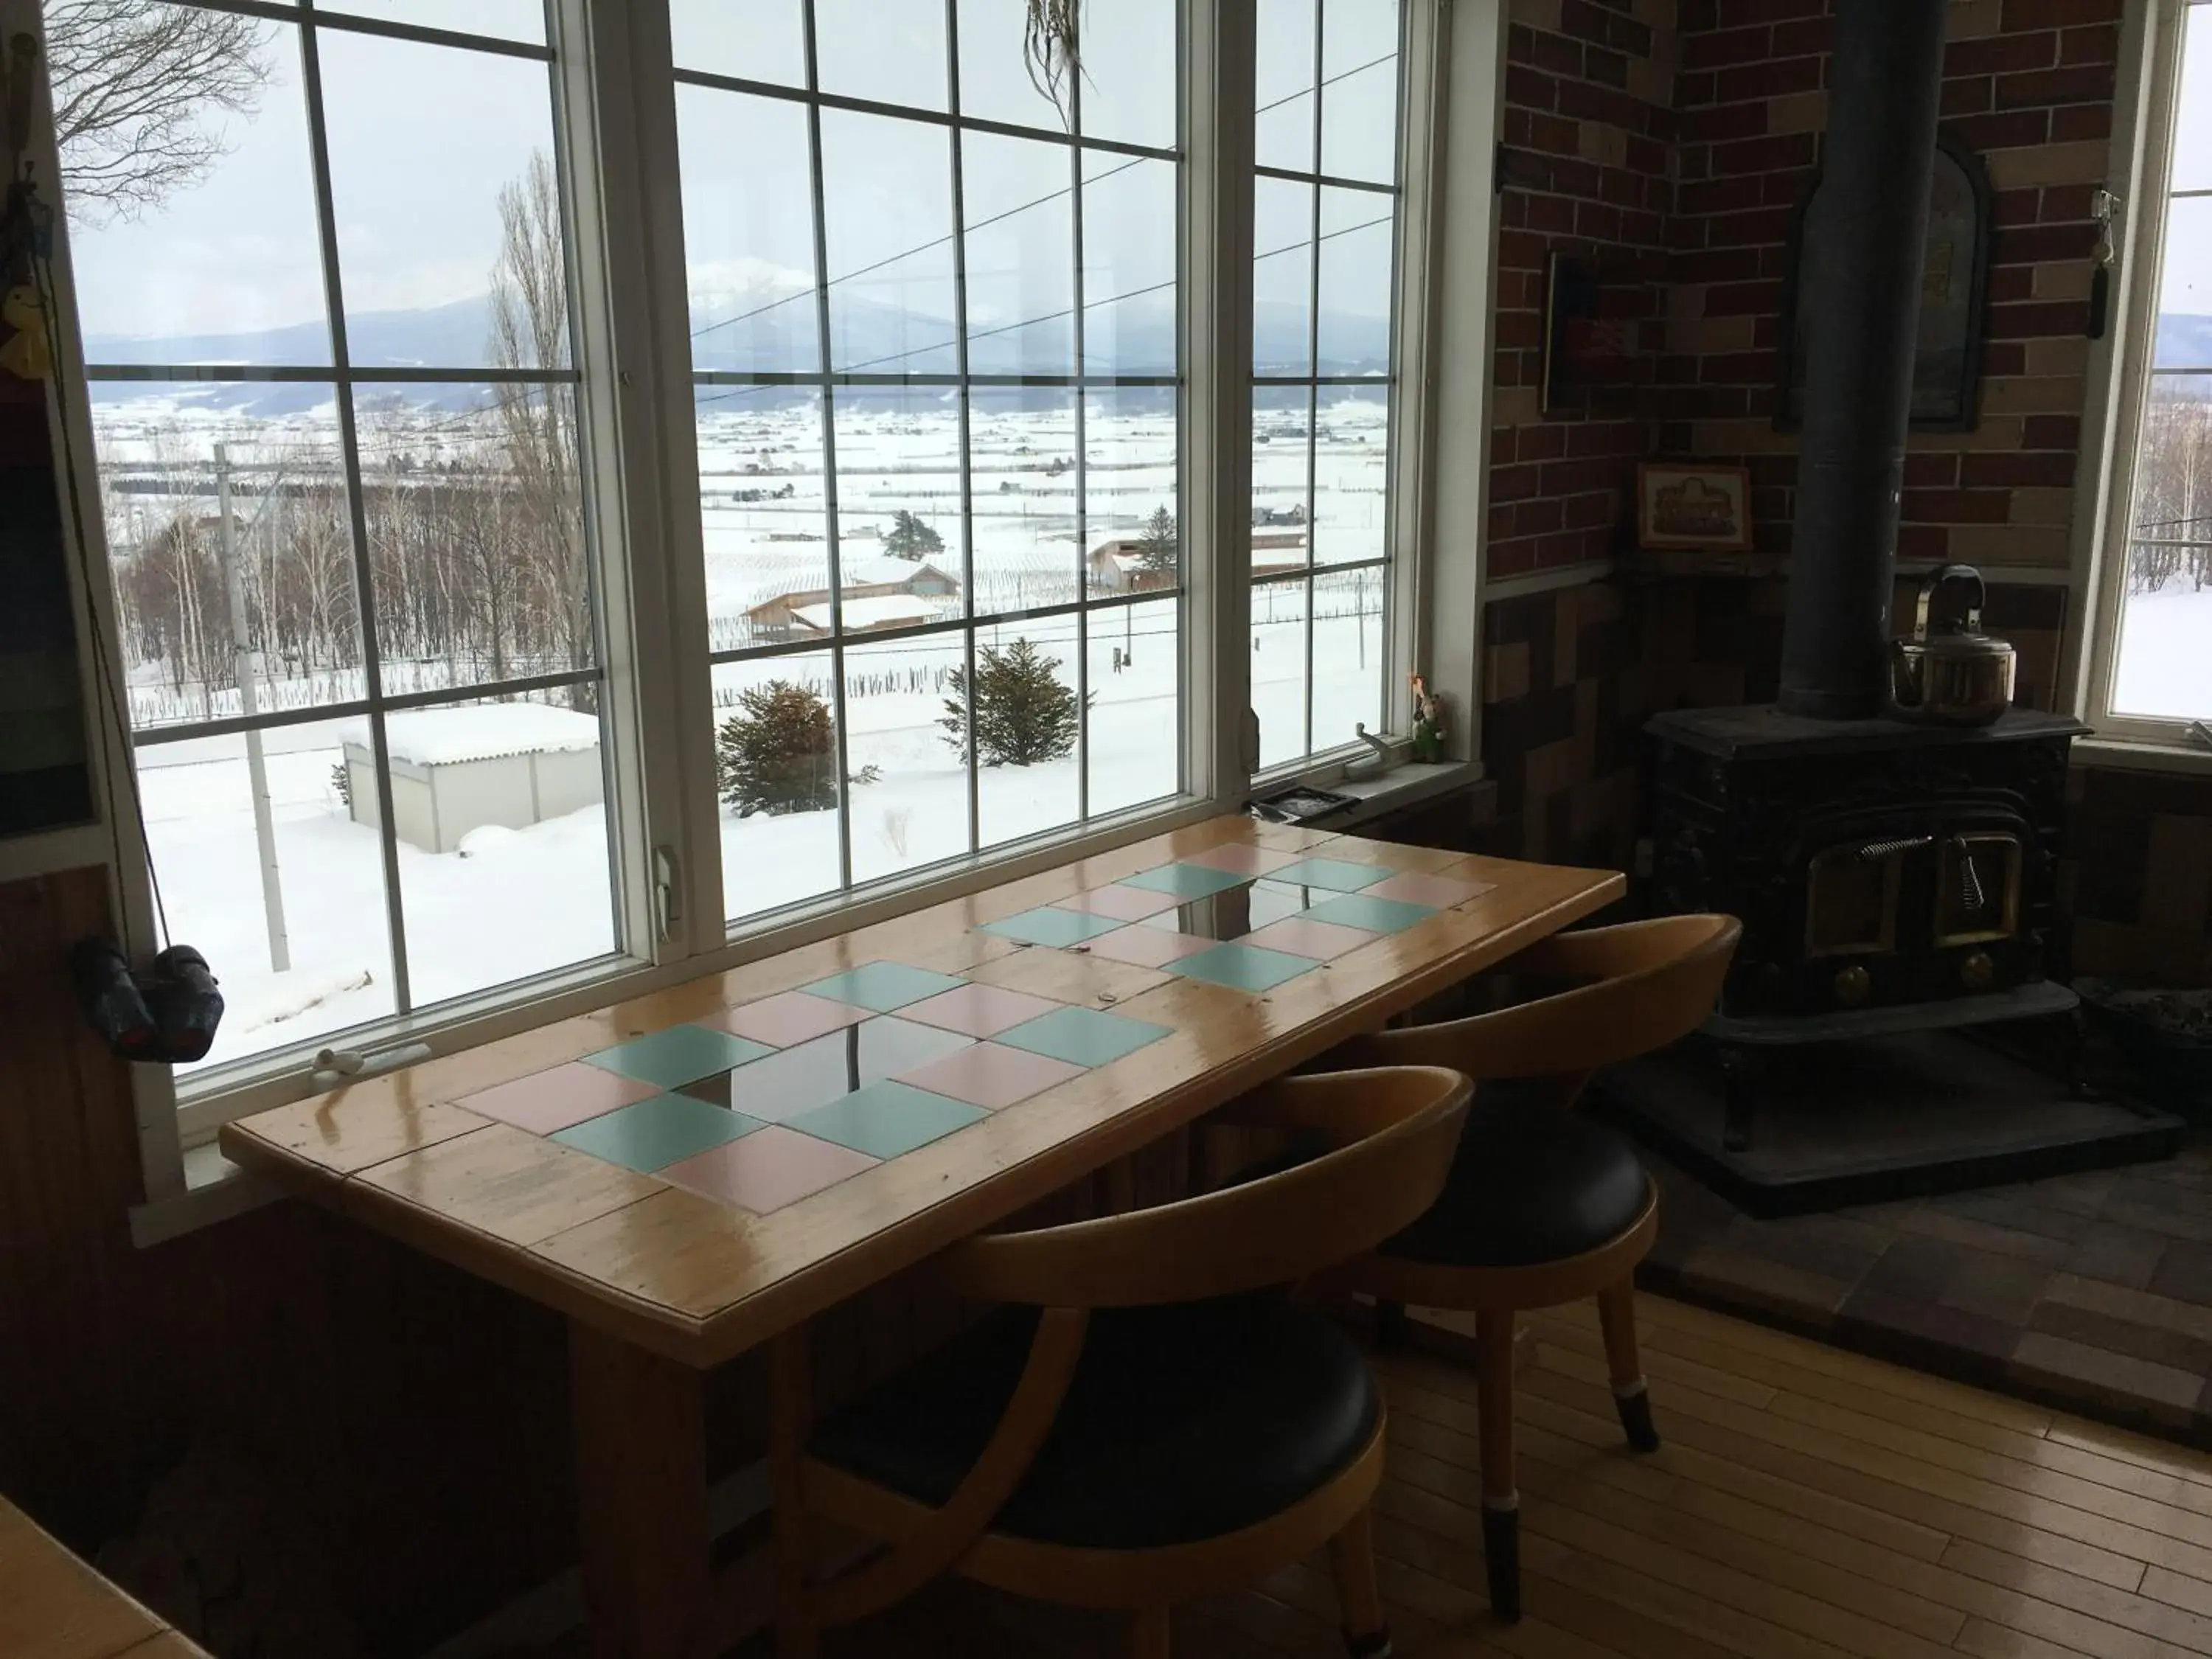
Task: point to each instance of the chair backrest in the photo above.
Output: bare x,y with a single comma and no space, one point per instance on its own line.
1655,981
1396,1128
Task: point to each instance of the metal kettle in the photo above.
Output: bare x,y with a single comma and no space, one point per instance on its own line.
1949,672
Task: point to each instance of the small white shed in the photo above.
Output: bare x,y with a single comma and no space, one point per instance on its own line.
457,770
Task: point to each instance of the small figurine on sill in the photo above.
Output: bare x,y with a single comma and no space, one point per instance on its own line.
1428,724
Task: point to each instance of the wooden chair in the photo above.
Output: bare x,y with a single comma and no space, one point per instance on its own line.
1542,1205
1149,1418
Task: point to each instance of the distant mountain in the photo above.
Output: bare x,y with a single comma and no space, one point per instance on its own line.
758,330
2183,341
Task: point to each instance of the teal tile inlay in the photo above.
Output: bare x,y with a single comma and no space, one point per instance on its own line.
1334,873
884,986
1082,1036
1051,926
1188,881
680,1055
657,1133
1243,966
886,1119
1377,915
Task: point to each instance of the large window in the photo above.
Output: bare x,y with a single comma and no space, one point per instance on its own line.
934,338
1324,236
328,341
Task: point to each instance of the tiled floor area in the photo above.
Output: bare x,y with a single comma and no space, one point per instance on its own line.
2089,1291
1807,1505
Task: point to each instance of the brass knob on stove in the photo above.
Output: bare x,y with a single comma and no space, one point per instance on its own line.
1976,971
1851,985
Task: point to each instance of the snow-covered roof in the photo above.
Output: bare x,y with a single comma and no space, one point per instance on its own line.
447,737
879,610
885,571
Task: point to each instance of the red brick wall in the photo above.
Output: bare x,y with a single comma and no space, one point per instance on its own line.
1587,127
2027,85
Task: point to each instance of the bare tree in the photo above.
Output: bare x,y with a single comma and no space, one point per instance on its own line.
134,83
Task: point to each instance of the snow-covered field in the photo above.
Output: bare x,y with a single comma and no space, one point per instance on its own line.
2164,668
516,903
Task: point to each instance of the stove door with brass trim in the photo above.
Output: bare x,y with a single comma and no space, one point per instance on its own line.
1977,888
1851,897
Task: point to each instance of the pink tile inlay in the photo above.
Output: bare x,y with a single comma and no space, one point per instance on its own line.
1321,940
1122,903
1442,891
980,1010
548,1101
1145,947
1240,860
767,1170
790,1017
990,1075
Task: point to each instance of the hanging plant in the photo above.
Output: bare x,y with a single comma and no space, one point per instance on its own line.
1052,50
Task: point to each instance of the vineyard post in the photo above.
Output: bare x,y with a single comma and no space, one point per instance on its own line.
242,669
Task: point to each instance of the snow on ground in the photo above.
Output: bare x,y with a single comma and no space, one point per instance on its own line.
2163,667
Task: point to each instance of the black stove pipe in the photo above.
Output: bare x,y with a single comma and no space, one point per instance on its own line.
1861,302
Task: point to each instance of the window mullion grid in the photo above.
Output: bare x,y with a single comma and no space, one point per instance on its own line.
828,449
1313,384
966,395
356,509
1082,465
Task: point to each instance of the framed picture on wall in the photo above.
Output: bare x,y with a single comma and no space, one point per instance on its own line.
1587,350
1685,505
1947,364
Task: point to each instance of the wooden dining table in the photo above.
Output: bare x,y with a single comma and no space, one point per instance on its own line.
689,1175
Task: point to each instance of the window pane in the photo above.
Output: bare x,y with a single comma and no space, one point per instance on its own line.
331,965
1359,95
1129,74
913,810
504,20
1281,477
892,54
1282,277
1133,515
898,507
2192,133
168,454
1136,723
159,250
748,233
2161,669
888,193
1347,655
1354,325
1129,244
475,539
1028,721
1019,195
746,39
764,512
775,751
1283,136
1351,473
499,806
435,210
995,76
1279,669
2184,293
1023,450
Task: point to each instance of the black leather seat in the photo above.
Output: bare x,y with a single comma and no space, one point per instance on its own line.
1183,1422
1531,1183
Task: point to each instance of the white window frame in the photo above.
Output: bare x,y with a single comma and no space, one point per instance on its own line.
617,133
2140,169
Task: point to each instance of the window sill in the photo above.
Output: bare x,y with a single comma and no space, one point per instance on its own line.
2143,756
215,1190
1405,783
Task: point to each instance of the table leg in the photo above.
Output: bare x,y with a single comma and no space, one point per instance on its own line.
642,1497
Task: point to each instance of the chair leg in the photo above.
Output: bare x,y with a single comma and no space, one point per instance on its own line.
1390,1327
1352,1553
1632,1395
1501,1499
1148,1634
790,1413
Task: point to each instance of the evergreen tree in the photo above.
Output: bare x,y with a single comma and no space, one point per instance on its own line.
1024,714
1159,545
778,753
908,537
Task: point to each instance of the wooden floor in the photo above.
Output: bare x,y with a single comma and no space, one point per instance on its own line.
1808,1503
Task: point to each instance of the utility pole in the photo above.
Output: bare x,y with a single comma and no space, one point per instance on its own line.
243,674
